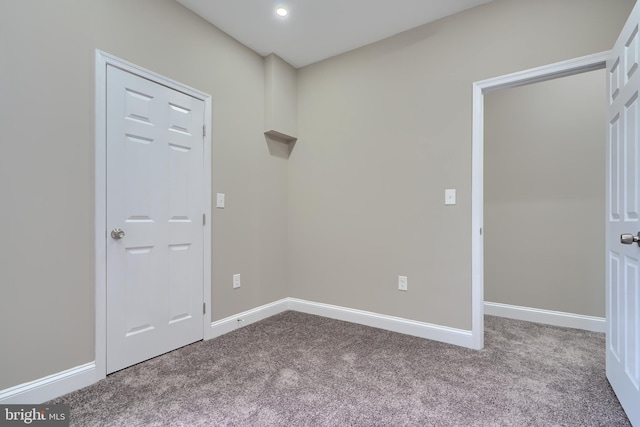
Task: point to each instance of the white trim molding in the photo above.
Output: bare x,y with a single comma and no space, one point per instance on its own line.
548,317
236,321
547,72
381,321
390,323
50,387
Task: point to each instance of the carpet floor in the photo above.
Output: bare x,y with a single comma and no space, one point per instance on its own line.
295,369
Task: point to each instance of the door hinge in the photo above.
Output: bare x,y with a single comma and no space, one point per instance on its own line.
204,219
204,308
481,231
204,130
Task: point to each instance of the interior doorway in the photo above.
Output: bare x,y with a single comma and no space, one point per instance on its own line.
544,193
548,72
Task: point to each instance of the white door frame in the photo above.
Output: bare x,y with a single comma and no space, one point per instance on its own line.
102,60
547,72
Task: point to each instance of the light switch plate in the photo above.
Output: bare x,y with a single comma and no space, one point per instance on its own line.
402,283
450,196
220,200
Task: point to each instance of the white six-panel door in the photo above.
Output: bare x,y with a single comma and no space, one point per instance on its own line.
155,196
623,217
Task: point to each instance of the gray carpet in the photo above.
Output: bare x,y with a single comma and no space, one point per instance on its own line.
296,369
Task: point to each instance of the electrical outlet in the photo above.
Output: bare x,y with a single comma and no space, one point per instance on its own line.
236,281
402,283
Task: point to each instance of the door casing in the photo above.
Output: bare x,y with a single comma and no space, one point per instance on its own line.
547,72
102,59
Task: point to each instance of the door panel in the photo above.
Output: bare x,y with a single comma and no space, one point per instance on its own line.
155,195
623,208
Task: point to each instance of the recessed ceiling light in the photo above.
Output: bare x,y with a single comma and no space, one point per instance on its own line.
281,11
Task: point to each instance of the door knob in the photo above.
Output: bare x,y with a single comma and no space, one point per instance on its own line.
117,234
628,239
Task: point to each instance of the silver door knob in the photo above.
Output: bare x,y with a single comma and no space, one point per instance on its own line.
628,239
117,234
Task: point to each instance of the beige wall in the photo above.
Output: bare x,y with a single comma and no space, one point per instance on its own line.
544,176
386,128
47,90
280,109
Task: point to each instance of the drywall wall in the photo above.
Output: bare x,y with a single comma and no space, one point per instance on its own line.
385,129
47,167
280,108
544,189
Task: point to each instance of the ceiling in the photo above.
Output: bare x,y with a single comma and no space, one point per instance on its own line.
316,30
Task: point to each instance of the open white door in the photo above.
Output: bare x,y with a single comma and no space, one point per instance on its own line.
623,217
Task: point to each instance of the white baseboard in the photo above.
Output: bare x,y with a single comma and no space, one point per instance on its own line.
228,324
50,387
548,317
396,324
